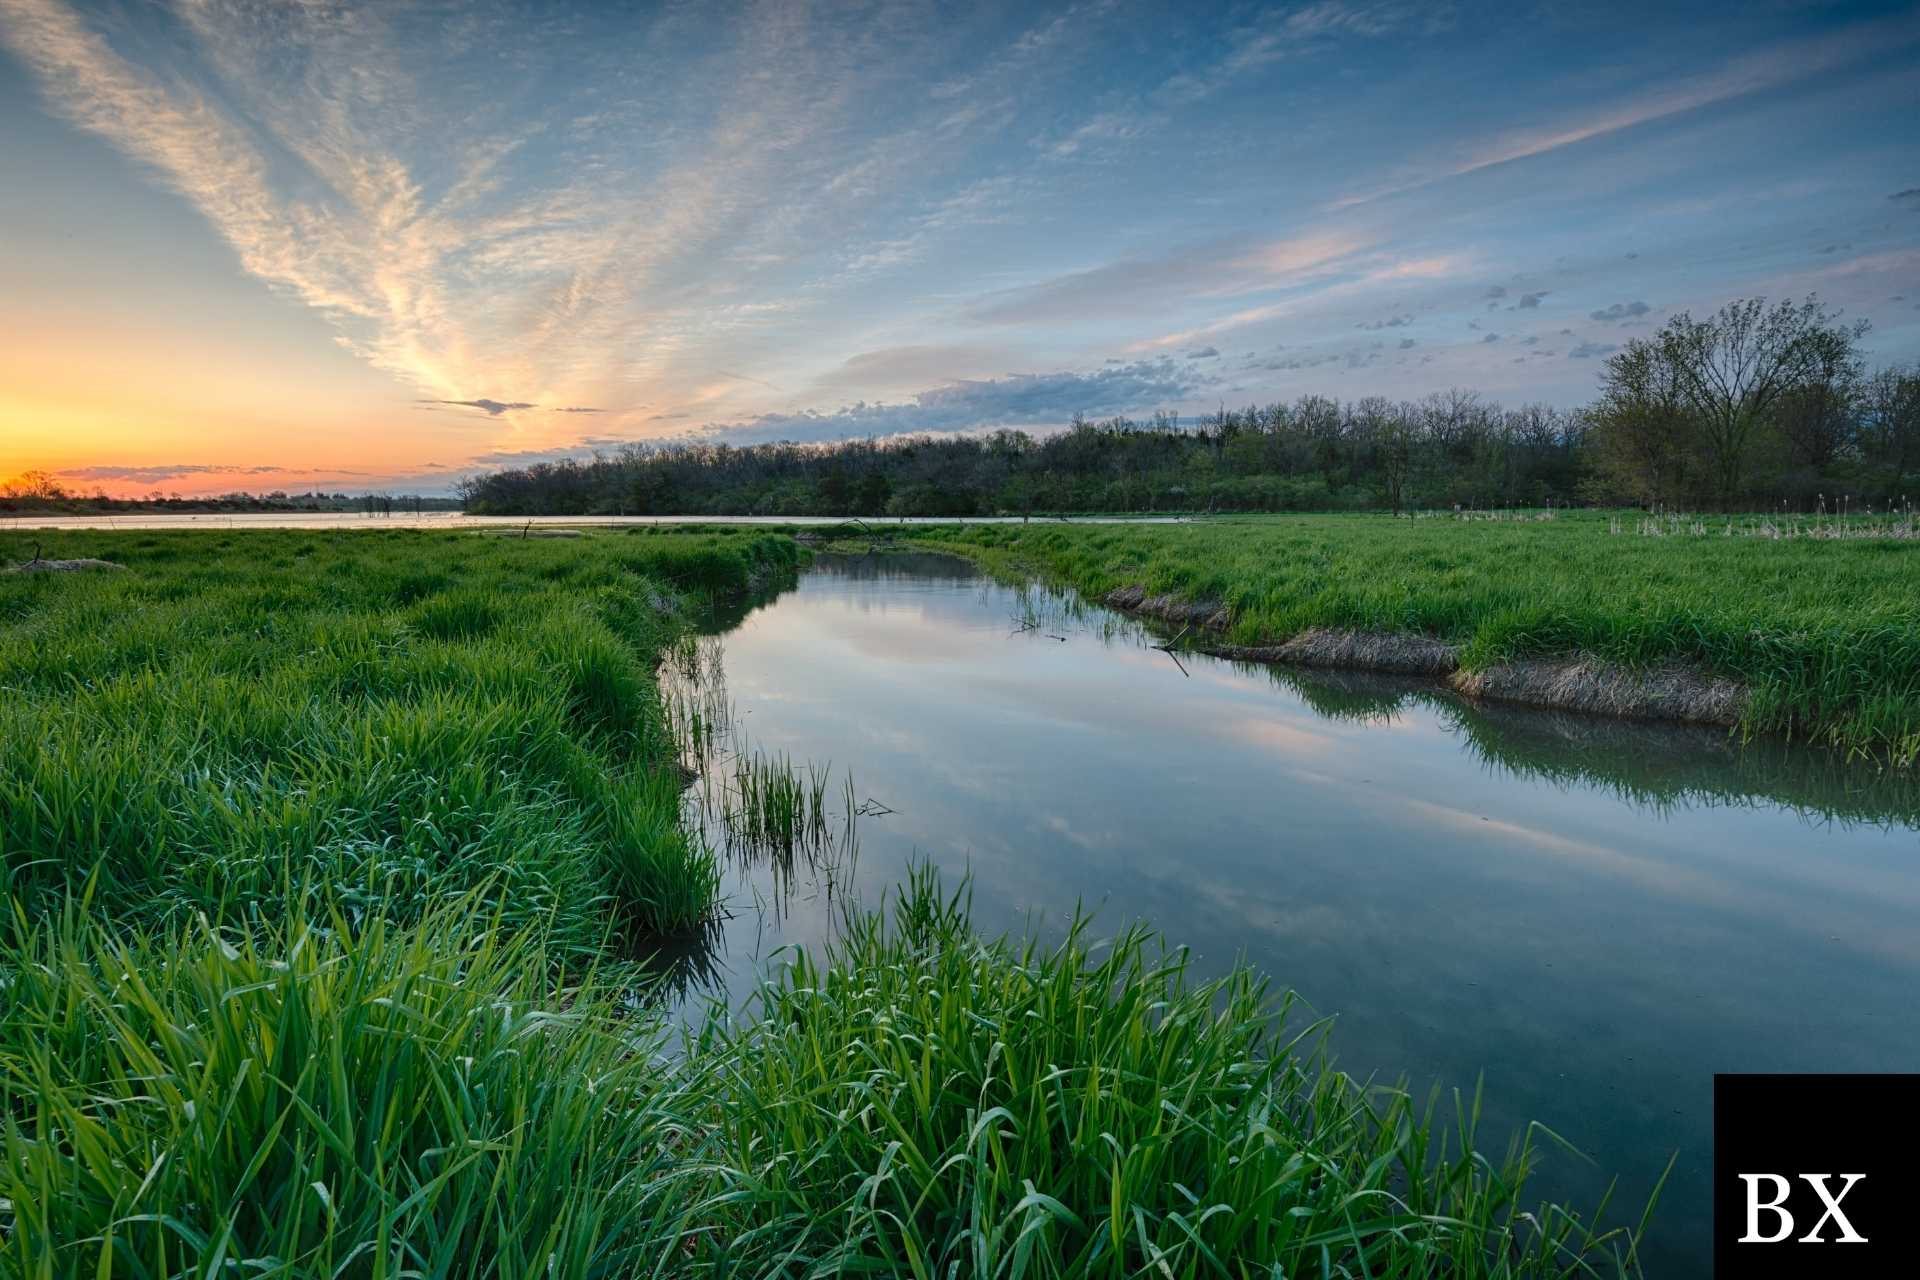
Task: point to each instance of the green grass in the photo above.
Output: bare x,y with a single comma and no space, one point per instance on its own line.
921,1102
774,807
321,855
319,1096
1825,632
391,716
323,1099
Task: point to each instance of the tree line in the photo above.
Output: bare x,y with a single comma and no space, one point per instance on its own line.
42,492
1750,407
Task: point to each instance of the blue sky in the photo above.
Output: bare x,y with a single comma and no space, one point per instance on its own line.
254,245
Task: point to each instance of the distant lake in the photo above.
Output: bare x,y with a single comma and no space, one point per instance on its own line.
1597,915
460,520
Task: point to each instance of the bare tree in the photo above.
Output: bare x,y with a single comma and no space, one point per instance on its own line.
1733,368
39,485
1397,435
1387,430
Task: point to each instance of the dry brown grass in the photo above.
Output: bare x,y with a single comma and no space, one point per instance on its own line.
1576,682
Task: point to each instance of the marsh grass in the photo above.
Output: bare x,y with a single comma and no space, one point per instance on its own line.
754,805
778,806
763,811
315,854
1897,522
1824,631
920,1102
320,1097
316,1096
388,718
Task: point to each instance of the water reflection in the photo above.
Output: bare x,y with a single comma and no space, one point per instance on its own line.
1597,915
1663,768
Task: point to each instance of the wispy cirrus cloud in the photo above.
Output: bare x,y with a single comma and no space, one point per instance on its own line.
1222,269
1363,276
1281,34
531,213
1746,74
338,149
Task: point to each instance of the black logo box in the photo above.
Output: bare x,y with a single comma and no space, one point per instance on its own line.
1810,1129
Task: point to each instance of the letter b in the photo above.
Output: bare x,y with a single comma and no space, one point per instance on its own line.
1781,1190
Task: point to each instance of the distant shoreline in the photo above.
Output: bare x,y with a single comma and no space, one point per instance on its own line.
461,520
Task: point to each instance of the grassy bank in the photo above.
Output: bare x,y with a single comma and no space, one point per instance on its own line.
318,1097
1824,632
322,855
235,716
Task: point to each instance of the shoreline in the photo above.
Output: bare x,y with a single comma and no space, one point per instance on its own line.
1582,683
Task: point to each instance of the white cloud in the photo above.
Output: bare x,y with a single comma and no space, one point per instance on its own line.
1750,73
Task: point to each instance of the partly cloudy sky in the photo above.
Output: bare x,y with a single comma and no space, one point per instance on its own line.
269,245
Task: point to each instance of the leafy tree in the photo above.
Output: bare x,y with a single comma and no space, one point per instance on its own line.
1890,426
1733,368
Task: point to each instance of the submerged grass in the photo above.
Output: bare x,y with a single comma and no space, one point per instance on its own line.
313,847
1824,633
773,805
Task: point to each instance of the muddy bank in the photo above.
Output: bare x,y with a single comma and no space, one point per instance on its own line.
1574,683
1381,651
1586,684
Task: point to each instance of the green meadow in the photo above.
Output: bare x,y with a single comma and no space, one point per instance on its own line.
1820,619
328,859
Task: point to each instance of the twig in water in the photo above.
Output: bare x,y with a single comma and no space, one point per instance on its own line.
1174,643
1171,649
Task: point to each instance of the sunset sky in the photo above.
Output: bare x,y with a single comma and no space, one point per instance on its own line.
273,246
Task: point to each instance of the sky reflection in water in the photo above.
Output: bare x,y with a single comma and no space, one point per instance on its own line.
1597,916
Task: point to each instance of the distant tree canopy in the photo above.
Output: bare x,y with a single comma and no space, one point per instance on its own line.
1750,407
41,492
1749,403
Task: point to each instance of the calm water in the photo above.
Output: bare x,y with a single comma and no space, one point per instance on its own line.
1594,916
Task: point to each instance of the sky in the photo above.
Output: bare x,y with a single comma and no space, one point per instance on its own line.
381,246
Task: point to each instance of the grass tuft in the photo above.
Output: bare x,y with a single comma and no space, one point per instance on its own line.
317,1098
918,1101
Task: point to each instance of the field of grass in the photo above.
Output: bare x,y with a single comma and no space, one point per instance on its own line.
324,858
1823,630
239,716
